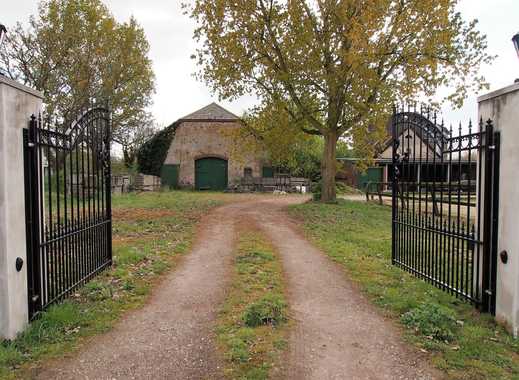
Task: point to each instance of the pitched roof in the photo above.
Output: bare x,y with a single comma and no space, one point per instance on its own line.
211,112
428,132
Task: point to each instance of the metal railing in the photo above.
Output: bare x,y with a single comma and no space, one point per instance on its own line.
378,189
444,217
68,198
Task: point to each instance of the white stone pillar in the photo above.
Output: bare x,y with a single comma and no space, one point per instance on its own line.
502,107
17,103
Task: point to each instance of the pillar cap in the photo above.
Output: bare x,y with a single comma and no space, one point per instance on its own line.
497,93
19,86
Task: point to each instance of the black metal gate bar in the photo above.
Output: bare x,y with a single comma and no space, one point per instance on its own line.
67,179
444,188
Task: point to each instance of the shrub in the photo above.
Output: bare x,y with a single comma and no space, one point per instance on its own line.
270,310
342,188
152,153
316,190
432,320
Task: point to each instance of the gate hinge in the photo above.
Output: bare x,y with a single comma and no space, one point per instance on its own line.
488,292
492,147
31,145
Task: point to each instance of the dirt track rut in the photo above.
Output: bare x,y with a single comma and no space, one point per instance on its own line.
171,337
337,333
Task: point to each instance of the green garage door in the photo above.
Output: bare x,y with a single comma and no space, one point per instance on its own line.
211,174
169,176
371,175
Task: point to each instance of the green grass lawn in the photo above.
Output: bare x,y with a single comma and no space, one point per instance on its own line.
150,232
252,325
460,340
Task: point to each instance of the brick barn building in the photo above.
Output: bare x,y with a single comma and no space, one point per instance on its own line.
205,153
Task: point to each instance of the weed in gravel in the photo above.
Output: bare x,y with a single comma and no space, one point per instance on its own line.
270,310
433,321
251,328
256,256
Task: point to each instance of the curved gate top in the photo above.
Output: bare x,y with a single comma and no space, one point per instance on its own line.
68,205
444,198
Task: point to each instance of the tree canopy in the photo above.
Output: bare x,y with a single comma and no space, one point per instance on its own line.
337,66
289,148
77,54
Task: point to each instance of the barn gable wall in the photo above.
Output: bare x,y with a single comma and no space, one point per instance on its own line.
199,139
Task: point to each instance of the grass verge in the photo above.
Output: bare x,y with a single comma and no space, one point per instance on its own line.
252,325
460,340
150,232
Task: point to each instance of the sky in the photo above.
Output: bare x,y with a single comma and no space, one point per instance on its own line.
178,93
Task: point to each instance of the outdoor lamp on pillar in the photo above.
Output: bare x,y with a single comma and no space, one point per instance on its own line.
515,40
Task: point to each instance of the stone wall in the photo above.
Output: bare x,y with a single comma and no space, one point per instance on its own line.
199,139
144,182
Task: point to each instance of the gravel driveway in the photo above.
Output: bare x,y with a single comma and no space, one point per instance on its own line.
337,333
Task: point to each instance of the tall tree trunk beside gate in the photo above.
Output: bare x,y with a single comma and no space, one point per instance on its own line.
329,167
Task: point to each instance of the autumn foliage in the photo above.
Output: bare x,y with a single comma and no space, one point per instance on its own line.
336,66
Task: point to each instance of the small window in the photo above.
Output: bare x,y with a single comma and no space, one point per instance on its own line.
247,172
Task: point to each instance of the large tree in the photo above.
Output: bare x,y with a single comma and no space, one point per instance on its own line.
77,54
338,65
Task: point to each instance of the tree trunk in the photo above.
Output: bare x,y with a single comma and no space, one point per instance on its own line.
329,168
128,157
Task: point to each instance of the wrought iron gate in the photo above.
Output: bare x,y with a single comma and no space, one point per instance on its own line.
68,205
445,203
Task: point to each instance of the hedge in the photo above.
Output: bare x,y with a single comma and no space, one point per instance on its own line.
152,153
